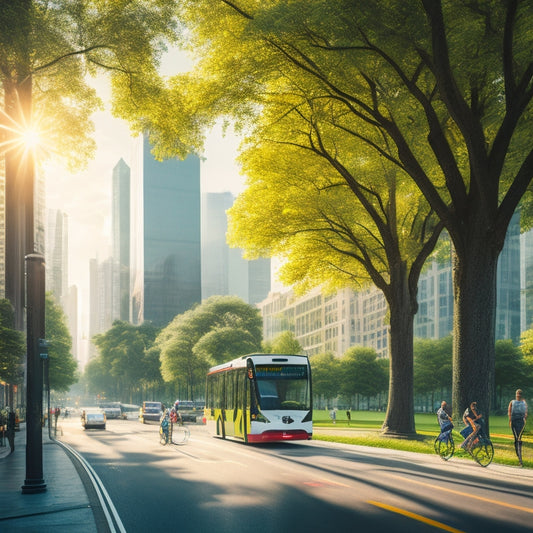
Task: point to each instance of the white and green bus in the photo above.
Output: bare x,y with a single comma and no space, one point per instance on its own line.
260,398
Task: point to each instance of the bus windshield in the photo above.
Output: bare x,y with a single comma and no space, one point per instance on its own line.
282,387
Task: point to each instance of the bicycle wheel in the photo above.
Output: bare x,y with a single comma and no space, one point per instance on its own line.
180,434
483,452
444,448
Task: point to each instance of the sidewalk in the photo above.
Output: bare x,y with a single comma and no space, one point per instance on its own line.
63,507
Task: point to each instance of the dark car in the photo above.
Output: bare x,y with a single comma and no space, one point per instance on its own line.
151,411
190,411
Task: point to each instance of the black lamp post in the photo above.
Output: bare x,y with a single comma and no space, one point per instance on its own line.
35,302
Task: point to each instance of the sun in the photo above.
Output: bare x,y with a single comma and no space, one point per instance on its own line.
30,138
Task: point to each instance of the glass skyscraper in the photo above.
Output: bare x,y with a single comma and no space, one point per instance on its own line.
166,225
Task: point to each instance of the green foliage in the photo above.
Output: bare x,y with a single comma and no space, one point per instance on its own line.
325,373
63,366
285,342
361,373
48,50
218,330
12,346
127,361
433,364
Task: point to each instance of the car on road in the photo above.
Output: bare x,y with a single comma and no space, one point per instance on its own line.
151,411
190,411
93,419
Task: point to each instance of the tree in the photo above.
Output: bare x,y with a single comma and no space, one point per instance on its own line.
433,368
12,346
63,366
218,330
361,373
285,342
47,49
511,371
433,364
125,354
440,89
325,374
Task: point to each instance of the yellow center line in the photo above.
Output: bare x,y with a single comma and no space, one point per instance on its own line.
460,493
415,516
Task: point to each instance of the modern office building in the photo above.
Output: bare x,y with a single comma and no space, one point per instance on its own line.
120,236
166,237
101,287
224,270
56,254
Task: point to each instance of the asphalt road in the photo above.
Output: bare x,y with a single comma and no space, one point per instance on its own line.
211,485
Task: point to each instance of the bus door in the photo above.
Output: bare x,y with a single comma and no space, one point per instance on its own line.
230,408
239,411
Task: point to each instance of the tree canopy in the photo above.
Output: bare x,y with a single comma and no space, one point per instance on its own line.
218,330
12,346
63,367
439,89
126,362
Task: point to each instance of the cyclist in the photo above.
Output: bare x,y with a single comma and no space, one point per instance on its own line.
445,420
471,419
165,426
517,421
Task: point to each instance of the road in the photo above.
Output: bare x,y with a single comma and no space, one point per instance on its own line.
215,486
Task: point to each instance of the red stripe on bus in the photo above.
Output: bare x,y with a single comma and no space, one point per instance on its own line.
279,435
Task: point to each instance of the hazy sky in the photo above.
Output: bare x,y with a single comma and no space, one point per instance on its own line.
86,196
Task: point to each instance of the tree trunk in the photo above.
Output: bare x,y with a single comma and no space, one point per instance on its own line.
400,417
474,280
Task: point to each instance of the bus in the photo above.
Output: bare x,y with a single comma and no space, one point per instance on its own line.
260,398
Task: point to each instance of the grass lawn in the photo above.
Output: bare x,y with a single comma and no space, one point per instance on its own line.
366,428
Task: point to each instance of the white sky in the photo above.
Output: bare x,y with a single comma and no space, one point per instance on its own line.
86,196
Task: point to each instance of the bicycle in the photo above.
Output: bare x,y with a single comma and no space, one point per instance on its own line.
172,432
444,445
480,447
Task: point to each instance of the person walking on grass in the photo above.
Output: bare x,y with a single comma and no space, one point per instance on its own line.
517,421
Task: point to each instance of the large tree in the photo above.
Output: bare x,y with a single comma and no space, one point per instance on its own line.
126,354
441,89
12,346
63,367
47,49
218,330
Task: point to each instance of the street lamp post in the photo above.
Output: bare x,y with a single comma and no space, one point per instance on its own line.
35,302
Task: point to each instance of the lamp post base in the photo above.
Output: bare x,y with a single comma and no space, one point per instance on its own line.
33,486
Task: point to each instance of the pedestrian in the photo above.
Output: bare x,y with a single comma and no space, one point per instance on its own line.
333,415
349,416
11,429
517,421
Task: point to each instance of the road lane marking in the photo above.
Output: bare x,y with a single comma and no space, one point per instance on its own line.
460,493
415,516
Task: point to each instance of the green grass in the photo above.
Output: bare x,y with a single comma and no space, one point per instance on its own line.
366,429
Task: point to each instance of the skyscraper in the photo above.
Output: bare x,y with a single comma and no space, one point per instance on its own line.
166,232
224,271
120,222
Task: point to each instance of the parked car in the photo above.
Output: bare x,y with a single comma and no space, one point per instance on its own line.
190,411
93,418
151,411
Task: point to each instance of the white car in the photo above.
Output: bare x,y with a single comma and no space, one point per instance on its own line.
93,418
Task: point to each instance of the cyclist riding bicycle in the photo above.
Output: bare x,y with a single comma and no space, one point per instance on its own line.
472,421
445,421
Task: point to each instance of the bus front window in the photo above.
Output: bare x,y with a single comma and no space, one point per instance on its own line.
283,387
